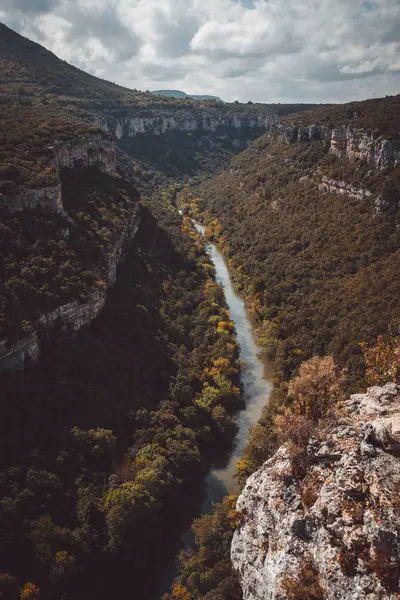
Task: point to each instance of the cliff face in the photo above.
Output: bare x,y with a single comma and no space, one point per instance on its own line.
72,316
95,151
342,523
345,142
209,120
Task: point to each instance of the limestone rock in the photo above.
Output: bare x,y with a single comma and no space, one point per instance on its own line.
344,516
345,142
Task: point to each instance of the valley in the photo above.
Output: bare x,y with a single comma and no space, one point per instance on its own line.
207,368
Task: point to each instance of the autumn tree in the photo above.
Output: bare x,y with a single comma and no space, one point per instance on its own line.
316,387
382,360
30,592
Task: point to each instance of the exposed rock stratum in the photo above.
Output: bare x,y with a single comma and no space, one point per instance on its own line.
343,518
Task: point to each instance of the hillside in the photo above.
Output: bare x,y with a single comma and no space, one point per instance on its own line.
322,205
174,136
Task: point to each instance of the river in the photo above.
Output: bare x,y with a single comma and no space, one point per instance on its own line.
256,378
256,381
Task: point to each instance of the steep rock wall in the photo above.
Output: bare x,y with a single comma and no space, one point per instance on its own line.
345,142
212,122
95,151
348,526
72,316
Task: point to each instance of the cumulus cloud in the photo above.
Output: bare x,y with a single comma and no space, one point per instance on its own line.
260,50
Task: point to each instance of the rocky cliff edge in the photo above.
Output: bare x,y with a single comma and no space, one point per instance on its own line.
334,533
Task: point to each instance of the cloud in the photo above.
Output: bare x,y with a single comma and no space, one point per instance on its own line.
28,6
263,50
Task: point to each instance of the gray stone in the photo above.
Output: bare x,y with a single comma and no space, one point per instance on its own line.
355,509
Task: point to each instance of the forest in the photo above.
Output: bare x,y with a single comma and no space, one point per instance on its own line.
318,269
114,428
320,275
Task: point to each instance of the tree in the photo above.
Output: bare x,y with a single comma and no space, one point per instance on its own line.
128,517
316,387
382,360
30,592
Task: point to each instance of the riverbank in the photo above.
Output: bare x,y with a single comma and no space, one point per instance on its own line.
255,378
257,387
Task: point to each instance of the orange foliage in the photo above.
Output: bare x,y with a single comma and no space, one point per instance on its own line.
180,593
382,360
30,592
316,387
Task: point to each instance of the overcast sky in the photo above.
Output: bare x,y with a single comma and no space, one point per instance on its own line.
260,50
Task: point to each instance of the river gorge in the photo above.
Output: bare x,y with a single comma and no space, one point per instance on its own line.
256,380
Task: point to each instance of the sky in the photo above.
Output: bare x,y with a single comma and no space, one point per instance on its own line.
259,50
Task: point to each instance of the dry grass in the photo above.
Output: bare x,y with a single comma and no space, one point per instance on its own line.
310,488
306,585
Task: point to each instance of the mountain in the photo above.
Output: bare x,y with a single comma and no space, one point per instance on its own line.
173,136
179,94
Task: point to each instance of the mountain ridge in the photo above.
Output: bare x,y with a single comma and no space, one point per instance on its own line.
180,94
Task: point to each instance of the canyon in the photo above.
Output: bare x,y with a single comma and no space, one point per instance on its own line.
130,379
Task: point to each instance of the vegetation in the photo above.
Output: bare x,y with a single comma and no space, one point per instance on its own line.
120,425
383,360
319,270
49,259
380,116
306,584
207,574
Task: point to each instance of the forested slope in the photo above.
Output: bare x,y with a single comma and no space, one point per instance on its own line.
113,429
313,242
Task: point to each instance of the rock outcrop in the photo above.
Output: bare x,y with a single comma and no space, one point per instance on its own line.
332,186
93,151
345,142
341,523
72,316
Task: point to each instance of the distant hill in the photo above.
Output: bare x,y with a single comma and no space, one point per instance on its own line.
180,94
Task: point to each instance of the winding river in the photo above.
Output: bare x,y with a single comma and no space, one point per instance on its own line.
256,379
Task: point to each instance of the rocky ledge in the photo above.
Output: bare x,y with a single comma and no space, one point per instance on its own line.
345,142
94,151
338,525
